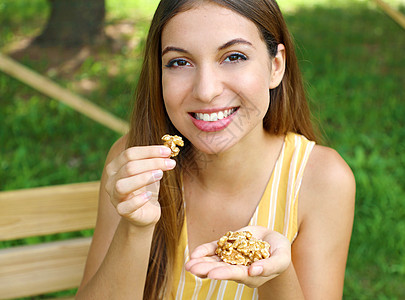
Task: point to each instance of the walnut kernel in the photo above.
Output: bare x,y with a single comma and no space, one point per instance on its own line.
241,248
172,141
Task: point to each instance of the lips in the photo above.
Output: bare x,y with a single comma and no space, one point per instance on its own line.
211,121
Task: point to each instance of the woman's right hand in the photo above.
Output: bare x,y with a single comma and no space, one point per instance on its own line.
133,182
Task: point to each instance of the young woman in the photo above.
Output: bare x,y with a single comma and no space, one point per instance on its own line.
224,76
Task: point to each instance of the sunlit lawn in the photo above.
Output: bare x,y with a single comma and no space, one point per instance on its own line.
352,59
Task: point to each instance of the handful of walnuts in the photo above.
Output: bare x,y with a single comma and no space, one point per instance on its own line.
241,248
172,141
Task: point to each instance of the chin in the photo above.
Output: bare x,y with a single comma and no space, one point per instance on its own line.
214,143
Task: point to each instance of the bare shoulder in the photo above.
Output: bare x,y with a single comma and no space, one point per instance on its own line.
328,178
326,164
327,192
119,146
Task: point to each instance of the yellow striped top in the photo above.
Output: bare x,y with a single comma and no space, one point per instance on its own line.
277,210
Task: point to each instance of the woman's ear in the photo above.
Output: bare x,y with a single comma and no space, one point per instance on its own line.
277,67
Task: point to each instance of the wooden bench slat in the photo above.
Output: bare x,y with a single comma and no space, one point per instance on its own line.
43,268
48,210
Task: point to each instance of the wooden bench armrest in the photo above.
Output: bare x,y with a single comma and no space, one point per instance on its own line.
43,268
48,210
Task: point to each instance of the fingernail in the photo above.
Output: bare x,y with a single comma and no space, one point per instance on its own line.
157,175
256,270
170,163
165,151
147,195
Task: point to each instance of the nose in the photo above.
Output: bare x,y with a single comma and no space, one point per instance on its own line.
207,84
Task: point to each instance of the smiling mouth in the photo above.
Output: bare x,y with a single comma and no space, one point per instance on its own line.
216,116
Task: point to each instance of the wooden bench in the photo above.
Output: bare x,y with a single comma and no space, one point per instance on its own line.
50,266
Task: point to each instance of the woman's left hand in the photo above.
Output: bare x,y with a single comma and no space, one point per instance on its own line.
205,263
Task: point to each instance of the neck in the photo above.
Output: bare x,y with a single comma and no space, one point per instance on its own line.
227,173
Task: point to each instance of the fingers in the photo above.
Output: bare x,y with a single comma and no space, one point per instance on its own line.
201,266
204,263
140,166
136,168
238,273
204,250
272,266
127,207
214,269
127,185
140,210
279,260
253,276
137,153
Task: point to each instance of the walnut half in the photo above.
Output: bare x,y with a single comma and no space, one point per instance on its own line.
241,248
172,141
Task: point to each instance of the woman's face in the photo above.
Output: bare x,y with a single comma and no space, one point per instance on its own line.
216,76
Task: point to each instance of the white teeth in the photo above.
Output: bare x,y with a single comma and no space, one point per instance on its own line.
214,116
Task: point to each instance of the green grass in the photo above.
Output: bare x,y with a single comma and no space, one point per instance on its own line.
352,61
19,19
351,55
130,8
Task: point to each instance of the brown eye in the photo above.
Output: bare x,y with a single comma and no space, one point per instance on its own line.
181,63
177,63
235,57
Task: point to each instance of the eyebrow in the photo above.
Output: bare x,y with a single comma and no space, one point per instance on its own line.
235,42
224,46
176,49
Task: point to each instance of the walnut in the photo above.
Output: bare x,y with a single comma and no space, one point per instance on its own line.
172,141
241,248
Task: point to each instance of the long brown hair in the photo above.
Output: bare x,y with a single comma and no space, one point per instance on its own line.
288,111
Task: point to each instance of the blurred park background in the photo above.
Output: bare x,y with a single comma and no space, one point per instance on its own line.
352,58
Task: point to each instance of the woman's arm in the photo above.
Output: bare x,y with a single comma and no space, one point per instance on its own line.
326,211
118,258
319,253
123,270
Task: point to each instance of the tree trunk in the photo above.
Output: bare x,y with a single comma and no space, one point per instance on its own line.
73,23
